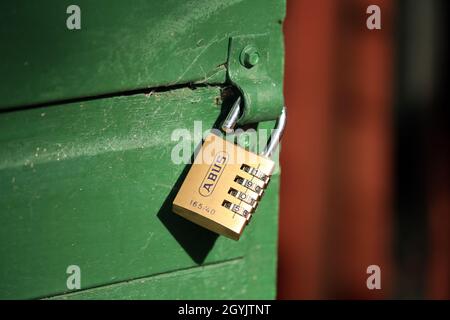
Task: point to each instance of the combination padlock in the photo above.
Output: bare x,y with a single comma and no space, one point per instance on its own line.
226,182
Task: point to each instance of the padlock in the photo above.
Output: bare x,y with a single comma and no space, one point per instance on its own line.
226,182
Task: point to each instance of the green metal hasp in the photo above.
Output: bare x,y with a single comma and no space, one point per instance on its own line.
257,77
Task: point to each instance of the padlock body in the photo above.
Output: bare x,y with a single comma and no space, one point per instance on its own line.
223,187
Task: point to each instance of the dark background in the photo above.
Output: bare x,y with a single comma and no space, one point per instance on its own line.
365,156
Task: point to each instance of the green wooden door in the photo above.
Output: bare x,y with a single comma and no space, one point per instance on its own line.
86,123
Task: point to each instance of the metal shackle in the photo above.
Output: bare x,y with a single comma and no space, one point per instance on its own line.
233,116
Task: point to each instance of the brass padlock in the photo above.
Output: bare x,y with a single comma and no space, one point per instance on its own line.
225,183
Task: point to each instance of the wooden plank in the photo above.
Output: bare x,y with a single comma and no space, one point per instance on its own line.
121,46
91,183
223,280
214,281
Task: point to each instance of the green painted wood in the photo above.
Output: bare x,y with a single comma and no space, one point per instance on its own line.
85,171
91,184
121,45
233,279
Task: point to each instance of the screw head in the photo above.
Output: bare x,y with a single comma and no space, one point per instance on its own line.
249,57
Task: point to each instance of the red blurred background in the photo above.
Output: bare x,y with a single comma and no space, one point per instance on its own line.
365,153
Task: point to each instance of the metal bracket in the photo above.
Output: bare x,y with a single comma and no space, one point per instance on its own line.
258,79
